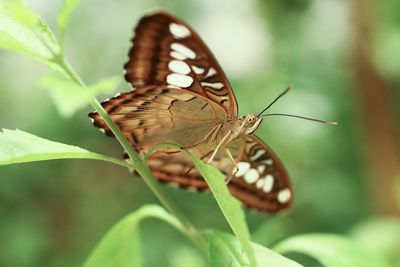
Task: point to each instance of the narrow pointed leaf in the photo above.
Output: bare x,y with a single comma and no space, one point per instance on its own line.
226,250
230,206
65,13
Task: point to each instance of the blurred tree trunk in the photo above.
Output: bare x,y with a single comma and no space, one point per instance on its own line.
378,116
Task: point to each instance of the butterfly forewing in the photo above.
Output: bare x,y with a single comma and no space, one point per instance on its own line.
167,52
154,114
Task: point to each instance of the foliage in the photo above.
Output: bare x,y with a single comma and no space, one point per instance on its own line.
17,147
23,31
230,206
120,246
225,250
331,250
379,235
69,97
65,13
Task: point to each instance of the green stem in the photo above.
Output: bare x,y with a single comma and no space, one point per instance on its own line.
136,160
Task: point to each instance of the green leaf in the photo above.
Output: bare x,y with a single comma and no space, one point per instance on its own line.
225,250
69,97
184,256
379,235
17,10
107,85
23,31
331,250
17,146
63,17
120,246
230,206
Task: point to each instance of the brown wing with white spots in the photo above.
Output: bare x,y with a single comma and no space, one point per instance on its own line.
261,182
167,52
175,168
154,114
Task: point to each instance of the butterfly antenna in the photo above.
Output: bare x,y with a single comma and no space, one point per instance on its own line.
276,99
300,117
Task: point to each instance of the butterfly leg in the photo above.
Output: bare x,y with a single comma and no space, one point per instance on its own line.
191,168
232,159
218,147
228,152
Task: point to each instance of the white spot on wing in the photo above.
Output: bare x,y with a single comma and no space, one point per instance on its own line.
179,80
258,154
267,161
179,31
261,168
251,176
260,183
268,184
211,72
213,85
177,55
243,168
179,67
183,50
198,70
284,195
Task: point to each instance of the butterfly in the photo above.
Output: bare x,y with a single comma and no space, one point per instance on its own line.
181,95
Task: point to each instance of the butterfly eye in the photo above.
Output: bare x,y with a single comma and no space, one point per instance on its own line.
250,121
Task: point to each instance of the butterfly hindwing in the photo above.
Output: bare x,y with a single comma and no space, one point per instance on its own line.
261,183
167,52
176,169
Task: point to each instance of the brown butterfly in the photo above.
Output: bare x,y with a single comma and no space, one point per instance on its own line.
181,95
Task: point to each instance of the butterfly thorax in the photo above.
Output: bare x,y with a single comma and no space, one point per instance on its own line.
238,127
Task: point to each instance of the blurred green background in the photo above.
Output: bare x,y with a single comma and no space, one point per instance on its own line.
343,59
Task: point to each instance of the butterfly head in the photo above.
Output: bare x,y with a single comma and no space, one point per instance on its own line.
250,123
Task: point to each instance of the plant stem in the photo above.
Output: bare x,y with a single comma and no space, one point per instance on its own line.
136,161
